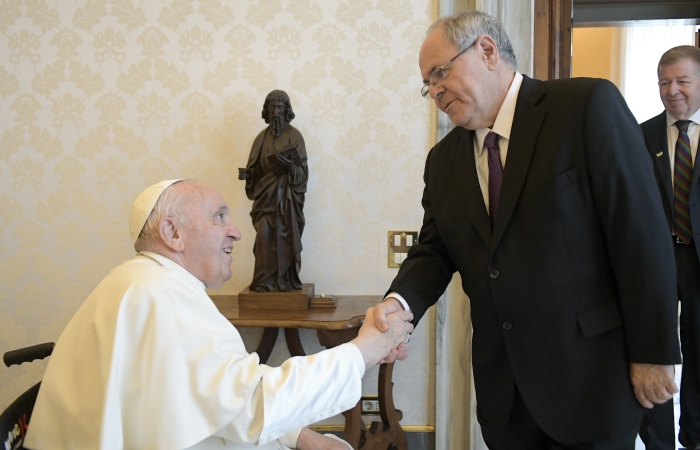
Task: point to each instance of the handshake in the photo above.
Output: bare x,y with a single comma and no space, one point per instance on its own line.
384,334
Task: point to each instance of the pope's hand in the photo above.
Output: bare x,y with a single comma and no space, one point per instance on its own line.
652,383
377,346
383,309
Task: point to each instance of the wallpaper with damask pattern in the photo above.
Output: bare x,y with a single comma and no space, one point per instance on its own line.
102,98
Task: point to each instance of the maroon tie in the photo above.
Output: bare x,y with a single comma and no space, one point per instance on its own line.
495,174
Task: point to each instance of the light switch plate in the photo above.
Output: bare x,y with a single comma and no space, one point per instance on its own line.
400,242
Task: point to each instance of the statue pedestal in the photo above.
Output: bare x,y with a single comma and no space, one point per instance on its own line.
298,299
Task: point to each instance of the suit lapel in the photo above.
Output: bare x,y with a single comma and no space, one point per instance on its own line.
658,143
468,183
527,122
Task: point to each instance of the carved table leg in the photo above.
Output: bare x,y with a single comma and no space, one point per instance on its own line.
386,434
354,432
291,335
266,344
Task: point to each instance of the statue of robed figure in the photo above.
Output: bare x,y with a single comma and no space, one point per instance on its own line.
275,180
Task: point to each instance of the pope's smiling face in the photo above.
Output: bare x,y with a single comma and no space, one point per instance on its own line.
208,234
679,87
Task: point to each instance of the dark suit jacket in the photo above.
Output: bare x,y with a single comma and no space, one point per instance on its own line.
656,140
577,277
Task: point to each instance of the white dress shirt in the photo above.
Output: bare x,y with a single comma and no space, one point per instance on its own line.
501,126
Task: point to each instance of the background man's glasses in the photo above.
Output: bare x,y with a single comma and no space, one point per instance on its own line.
439,74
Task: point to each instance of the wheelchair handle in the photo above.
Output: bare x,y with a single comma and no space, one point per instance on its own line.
28,354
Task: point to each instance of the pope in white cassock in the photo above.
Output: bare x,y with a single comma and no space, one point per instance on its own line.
148,362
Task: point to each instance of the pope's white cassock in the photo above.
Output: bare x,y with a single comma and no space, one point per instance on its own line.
148,362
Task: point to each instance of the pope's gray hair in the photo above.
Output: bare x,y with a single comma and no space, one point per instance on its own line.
461,29
170,204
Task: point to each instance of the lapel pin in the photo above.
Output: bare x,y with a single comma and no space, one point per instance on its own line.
659,154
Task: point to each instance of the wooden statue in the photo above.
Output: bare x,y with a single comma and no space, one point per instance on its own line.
275,180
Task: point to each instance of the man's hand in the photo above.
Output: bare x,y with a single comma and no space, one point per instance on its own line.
652,383
310,440
383,309
377,346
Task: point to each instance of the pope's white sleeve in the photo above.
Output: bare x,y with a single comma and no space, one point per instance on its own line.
307,389
303,390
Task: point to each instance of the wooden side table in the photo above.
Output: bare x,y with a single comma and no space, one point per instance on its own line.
334,326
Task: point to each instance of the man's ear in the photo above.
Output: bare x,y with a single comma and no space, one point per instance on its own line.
489,50
170,235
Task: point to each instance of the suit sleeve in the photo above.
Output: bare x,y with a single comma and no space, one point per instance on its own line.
428,268
631,215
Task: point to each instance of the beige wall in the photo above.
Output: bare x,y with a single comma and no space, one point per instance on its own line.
596,53
101,98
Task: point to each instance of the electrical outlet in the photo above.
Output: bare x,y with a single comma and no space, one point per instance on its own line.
399,244
370,406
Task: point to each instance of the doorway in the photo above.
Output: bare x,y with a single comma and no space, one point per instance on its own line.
628,56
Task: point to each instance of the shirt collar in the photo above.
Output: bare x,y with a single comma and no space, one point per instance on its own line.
170,264
504,119
670,120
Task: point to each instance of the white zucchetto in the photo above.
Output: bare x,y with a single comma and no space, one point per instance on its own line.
143,206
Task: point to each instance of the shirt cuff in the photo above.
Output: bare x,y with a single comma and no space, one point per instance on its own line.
398,297
290,439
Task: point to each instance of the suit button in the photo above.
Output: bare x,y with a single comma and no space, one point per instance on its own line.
494,274
507,325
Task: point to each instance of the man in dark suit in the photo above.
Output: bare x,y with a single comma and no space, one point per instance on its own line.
544,201
672,141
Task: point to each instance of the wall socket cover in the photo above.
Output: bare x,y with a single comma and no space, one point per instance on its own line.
399,244
370,406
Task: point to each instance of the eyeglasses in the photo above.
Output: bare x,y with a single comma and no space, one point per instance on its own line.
439,73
